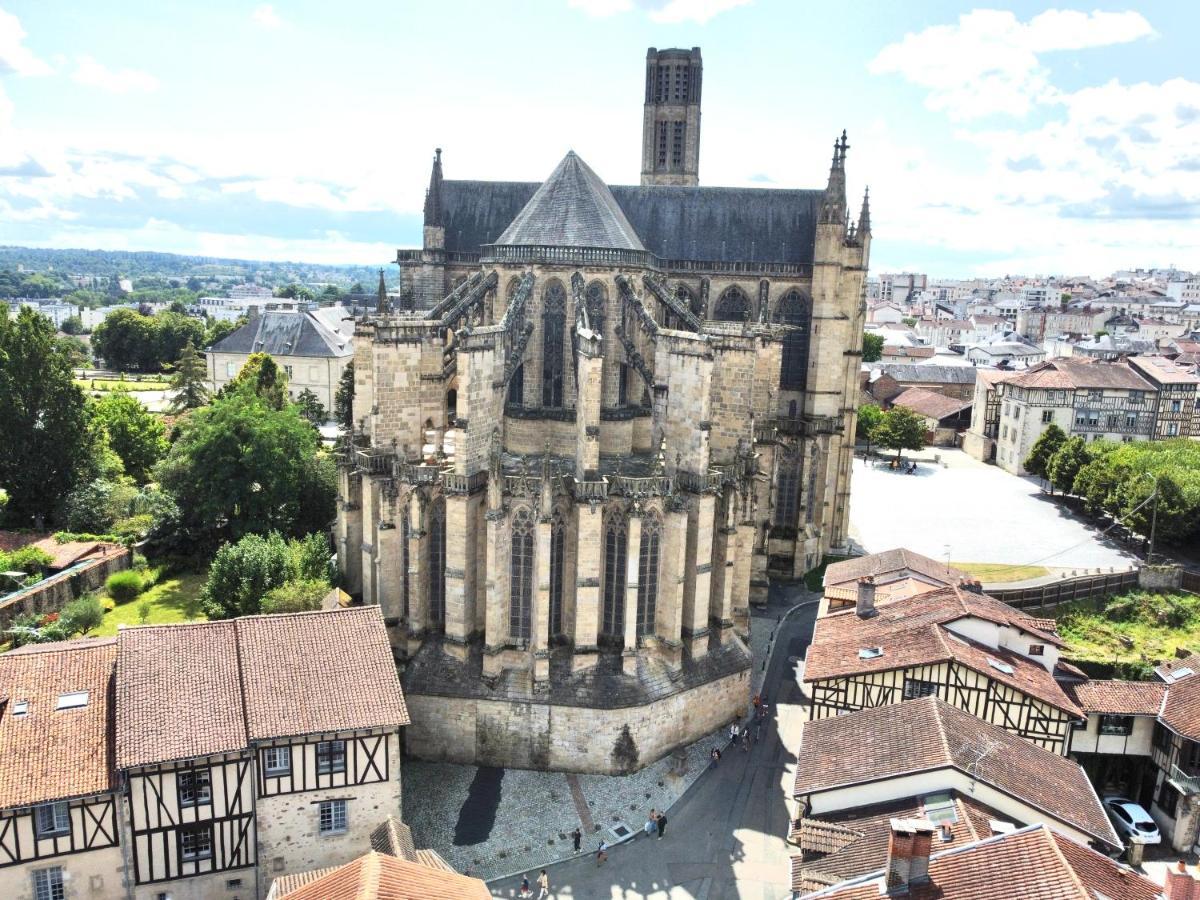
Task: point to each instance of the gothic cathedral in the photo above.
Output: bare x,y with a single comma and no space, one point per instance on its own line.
603,418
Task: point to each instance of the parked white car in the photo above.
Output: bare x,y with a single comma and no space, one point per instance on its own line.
1131,820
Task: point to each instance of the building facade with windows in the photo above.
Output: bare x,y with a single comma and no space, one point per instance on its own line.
615,412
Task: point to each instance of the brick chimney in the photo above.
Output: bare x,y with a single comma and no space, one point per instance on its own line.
1181,885
865,606
908,854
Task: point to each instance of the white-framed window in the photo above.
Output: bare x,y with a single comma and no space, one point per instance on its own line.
230,369
1172,429
333,816
277,760
48,884
331,757
288,370
195,787
195,842
52,819
1047,416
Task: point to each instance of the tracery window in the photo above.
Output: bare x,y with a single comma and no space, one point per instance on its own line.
794,309
612,621
648,554
520,577
553,319
558,535
437,565
788,491
597,301
734,306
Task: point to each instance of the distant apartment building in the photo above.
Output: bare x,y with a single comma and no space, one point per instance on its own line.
902,287
1042,322
1187,291
1005,354
1118,401
250,292
313,345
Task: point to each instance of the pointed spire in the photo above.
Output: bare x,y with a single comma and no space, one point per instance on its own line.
433,196
381,305
864,217
833,208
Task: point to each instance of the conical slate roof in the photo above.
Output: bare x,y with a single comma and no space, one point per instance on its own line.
572,208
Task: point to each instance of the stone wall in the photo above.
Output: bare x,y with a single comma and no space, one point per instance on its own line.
1160,578
531,735
55,592
91,874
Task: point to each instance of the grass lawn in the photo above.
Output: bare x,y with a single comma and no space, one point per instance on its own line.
1137,629
168,603
108,384
995,573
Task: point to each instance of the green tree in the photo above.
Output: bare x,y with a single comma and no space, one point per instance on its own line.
47,440
126,340
1044,448
1096,483
311,407
221,328
900,429
263,376
82,614
242,573
174,331
1066,462
868,418
872,347
240,466
1177,512
94,506
296,596
189,384
295,292
134,433
72,325
343,400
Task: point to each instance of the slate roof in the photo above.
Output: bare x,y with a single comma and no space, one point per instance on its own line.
51,754
285,332
930,404
922,735
929,374
1030,862
686,223
572,208
1124,698
377,876
200,689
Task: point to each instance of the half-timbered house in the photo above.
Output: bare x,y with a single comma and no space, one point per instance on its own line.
971,650
59,833
253,746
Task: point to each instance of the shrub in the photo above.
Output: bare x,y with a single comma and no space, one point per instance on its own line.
139,562
30,560
124,586
83,614
296,596
311,558
144,607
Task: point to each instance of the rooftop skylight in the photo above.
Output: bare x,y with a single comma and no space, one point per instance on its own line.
1000,666
72,700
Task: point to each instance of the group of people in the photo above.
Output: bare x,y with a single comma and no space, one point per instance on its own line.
543,883
743,736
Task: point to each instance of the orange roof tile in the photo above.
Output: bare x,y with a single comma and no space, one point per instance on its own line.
376,876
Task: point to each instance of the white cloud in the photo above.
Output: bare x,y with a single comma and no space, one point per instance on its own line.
266,16
601,9
698,11
118,81
15,58
987,62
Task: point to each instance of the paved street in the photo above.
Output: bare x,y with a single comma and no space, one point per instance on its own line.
973,513
725,837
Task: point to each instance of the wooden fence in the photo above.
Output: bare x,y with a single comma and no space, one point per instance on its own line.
1086,587
1191,581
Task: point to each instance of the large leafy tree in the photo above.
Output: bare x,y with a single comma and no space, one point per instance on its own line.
189,384
1066,462
900,429
872,347
262,375
1043,448
868,417
126,339
135,434
173,332
241,466
311,407
48,442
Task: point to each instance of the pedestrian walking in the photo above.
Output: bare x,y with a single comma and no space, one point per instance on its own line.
758,730
525,891
734,733
746,740
757,701
651,827
715,756
662,826
543,885
602,853
577,838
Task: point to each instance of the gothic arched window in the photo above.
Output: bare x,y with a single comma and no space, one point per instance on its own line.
794,309
612,622
558,536
516,387
647,596
520,577
437,565
787,490
734,306
597,301
553,318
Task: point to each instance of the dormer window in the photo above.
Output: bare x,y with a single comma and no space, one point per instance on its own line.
72,700
1037,649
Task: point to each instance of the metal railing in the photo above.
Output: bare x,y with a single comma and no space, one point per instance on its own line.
1189,783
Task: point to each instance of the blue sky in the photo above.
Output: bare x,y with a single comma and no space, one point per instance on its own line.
1028,139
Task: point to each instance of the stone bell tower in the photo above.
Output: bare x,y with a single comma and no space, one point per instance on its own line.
671,121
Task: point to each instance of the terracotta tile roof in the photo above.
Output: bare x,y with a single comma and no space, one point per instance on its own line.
913,631
1181,710
1162,370
1081,372
1126,698
1030,862
1169,670
930,403
376,876
67,554
204,688
922,735
15,540
892,562
993,376
394,838
318,671
178,693
51,754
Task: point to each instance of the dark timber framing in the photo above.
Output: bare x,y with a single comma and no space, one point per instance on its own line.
93,827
